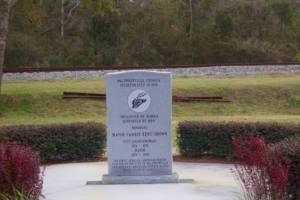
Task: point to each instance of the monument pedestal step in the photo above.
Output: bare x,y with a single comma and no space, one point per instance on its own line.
108,179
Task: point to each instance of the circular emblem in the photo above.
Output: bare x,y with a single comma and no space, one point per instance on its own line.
139,100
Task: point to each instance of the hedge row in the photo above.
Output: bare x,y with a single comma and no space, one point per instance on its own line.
60,142
198,139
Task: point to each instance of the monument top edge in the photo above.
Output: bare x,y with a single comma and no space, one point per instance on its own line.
136,71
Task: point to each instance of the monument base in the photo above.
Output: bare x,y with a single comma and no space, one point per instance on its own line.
108,179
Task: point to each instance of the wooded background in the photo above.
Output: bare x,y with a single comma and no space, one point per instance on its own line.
151,32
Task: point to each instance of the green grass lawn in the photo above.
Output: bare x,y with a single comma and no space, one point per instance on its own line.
274,97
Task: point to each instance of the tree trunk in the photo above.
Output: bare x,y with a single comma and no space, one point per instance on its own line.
5,6
62,19
190,17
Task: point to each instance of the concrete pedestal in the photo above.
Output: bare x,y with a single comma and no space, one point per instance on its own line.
107,179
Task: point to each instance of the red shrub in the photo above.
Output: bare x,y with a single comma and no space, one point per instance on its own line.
263,175
19,169
291,152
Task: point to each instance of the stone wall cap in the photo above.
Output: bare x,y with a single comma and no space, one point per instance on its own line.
137,71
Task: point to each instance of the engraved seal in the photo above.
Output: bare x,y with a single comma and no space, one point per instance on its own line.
139,100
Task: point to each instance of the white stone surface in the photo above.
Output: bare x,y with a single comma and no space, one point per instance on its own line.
212,182
107,179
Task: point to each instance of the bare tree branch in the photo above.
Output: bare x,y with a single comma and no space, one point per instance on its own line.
72,6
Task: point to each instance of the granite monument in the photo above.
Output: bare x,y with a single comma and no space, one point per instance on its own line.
139,110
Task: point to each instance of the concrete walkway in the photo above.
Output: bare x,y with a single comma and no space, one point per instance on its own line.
212,182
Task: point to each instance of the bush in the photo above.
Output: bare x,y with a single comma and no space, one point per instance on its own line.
297,57
291,151
60,142
19,170
262,174
17,195
197,139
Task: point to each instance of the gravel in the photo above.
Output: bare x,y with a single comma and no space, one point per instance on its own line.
206,71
